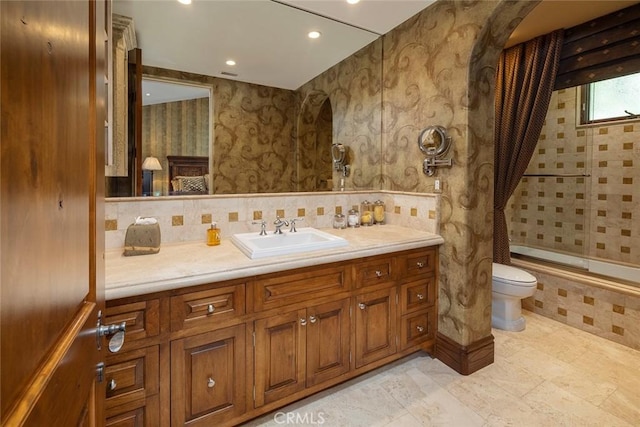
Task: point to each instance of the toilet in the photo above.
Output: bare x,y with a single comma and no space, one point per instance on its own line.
510,285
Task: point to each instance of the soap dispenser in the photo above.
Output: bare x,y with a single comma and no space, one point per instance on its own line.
213,235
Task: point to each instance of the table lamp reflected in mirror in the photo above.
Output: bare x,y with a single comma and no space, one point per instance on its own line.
149,165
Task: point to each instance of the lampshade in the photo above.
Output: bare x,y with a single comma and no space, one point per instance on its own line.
151,164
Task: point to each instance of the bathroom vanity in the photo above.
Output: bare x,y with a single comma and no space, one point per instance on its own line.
214,338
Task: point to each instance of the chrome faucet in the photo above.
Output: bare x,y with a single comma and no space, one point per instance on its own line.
293,224
263,227
279,223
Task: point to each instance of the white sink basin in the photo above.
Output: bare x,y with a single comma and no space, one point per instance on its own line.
305,239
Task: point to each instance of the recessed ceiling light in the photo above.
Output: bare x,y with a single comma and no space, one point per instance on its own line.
185,1
353,1
314,34
230,62
148,94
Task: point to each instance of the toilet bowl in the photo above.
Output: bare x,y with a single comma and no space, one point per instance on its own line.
510,285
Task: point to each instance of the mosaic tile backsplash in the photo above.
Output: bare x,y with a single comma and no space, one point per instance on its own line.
186,219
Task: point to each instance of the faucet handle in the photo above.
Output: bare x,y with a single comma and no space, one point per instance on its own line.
263,227
293,224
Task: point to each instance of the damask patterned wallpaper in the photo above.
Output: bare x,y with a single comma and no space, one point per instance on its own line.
353,87
439,69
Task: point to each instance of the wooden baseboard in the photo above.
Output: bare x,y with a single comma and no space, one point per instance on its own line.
464,359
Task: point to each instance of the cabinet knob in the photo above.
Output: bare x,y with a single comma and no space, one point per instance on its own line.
111,385
378,273
420,296
362,306
211,383
420,264
313,319
420,328
210,309
303,321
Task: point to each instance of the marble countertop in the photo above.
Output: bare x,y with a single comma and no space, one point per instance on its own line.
195,263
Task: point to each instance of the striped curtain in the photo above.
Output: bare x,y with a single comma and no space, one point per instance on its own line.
525,79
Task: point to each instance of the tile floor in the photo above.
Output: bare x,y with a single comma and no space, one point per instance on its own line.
548,375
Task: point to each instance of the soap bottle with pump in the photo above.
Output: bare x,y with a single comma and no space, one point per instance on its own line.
213,235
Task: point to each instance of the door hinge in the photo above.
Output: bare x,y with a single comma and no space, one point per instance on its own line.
100,372
254,339
254,393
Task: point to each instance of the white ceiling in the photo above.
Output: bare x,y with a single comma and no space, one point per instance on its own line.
266,38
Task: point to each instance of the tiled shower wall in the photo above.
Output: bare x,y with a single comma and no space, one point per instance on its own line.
185,219
596,216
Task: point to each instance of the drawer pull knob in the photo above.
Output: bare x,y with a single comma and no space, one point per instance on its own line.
362,306
303,321
378,273
210,309
211,383
420,264
313,319
420,328
111,385
420,296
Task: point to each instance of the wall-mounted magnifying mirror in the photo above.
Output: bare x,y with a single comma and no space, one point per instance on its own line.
434,141
339,155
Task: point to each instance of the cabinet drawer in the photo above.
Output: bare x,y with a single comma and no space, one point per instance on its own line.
143,416
418,263
417,328
142,319
417,295
131,377
205,308
373,272
280,289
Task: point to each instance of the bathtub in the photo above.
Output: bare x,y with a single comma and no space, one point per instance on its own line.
616,271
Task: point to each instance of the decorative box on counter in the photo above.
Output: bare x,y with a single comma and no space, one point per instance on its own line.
142,238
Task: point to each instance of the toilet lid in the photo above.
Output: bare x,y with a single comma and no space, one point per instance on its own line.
512,275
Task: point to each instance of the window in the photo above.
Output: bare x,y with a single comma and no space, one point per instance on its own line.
610,100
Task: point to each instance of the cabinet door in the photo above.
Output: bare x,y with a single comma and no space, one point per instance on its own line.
375,326
208,377
279,356
328,337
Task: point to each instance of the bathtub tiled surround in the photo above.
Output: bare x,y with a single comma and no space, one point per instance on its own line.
547,375
602,307
186,219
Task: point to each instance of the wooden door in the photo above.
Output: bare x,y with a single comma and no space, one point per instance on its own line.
52,227
328,338
375,325
208,377
280,356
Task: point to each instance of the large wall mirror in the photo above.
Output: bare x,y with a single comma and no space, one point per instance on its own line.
273,116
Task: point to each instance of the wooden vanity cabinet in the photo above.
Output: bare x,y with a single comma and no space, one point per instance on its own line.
300,349
223,353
